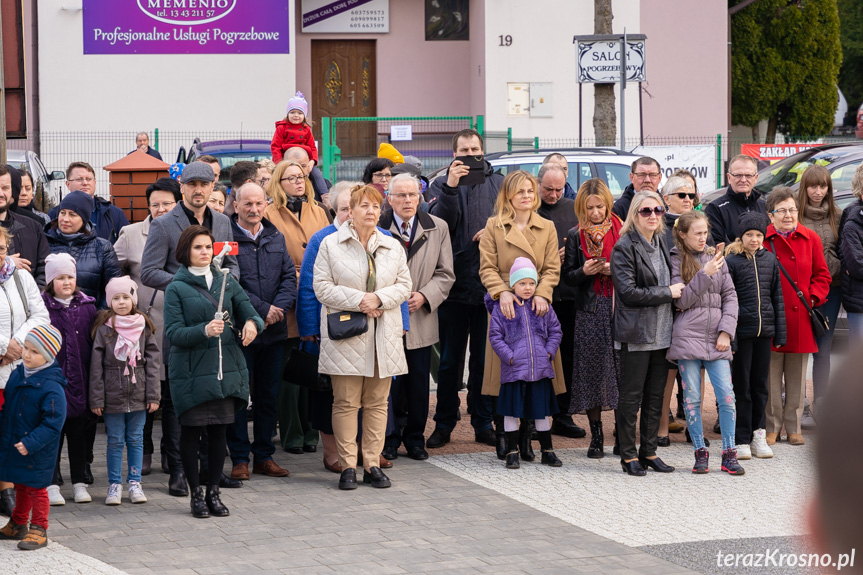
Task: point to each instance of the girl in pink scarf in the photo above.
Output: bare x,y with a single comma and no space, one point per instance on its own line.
124,383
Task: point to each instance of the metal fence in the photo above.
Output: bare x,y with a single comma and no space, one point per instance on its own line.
59,149
348,144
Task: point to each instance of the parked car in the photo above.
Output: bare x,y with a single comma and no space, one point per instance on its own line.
228,152
45,195
612,166
841,160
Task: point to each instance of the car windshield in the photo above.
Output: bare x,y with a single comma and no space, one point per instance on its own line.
788,171
228,160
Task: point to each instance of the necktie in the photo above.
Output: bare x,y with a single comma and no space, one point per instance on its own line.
406,232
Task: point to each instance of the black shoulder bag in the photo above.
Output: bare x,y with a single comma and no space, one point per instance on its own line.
820,325
347,324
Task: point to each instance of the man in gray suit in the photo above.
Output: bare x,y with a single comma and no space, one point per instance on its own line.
158,266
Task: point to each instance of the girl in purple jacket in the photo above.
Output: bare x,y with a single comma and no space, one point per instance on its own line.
72,312
526,346
704,325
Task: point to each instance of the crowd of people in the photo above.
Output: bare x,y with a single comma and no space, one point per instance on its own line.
571,302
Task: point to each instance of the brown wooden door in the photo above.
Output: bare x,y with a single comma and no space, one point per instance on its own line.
343,85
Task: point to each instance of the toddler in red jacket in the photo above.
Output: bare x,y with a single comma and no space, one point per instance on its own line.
294,131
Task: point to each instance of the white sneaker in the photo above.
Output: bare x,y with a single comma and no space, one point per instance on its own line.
54,497
743,452
759,445
115,494
79,490
136,493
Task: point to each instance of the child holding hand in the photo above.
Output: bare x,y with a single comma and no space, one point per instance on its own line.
33,415
526,346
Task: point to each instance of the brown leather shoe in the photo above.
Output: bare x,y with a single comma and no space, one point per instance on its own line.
795,439
771,438
385,463
240,471
335,467
270,468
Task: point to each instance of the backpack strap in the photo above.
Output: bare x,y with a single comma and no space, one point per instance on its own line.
21,293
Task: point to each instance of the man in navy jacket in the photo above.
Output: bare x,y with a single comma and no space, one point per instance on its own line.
107,218
269,277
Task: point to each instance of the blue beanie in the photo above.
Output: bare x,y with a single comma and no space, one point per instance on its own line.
79,202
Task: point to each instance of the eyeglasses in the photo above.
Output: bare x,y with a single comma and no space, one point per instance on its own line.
646,212
263,181
163,205
651,175
382,176
292,179
83,180
744,176
3,249
404,196
684,195
785,212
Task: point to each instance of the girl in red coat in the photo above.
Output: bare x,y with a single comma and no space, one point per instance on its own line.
294,131
800,252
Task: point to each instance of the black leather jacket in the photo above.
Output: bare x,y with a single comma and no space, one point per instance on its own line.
636,290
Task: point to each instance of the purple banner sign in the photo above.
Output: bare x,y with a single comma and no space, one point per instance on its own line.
186,27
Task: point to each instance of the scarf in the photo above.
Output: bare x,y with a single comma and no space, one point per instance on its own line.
129,329
28,372
7,270
295,204
787,234
203,271
596,242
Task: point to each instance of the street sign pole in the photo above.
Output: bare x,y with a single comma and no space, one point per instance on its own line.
623,91
2,99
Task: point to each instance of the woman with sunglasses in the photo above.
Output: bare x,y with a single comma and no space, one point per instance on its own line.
643,294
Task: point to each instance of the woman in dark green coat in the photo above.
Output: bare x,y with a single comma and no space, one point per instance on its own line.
209,383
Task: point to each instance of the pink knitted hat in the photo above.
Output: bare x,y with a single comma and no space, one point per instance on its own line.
119,285
58,265
522,268
298,102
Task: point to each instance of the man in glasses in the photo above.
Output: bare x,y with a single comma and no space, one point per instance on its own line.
466,209
107,219
740,197
644,176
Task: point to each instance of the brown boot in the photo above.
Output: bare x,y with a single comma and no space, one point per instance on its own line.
36,538
795,439
771,438
13,531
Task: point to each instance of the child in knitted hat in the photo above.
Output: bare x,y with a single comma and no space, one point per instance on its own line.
71,312
124,383
294,131
30,423
526,346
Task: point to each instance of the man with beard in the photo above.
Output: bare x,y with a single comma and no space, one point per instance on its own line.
28,246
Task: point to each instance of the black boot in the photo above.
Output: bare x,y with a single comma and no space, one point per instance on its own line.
512,450
214,503
596,449
616,449
500,444
199,506
524,446
7,501
147,465
548,456
177,484
88,475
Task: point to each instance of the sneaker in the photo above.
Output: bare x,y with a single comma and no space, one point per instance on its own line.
702,458
136,493
759,445
115,494
36,538
79,491
743,452
808,420
729,463
54,497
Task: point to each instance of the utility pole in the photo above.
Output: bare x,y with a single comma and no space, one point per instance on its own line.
2,99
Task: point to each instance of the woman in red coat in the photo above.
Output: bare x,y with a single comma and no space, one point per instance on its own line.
800,252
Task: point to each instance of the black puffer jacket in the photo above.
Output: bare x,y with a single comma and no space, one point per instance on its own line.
621,204
636,291
851,255
759,294
451,205
724,211
95,259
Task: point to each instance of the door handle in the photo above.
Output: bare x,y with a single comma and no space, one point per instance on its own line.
353,103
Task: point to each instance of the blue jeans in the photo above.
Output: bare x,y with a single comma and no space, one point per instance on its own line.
719,373
264,363
821,358
128,428
855,328
456,322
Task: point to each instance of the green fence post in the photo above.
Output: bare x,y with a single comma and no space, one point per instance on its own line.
509,139
480,126
718,161
156,139
326,145
536,142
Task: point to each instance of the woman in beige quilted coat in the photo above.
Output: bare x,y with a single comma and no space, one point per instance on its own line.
359,269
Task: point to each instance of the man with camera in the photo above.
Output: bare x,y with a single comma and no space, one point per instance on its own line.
464,198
